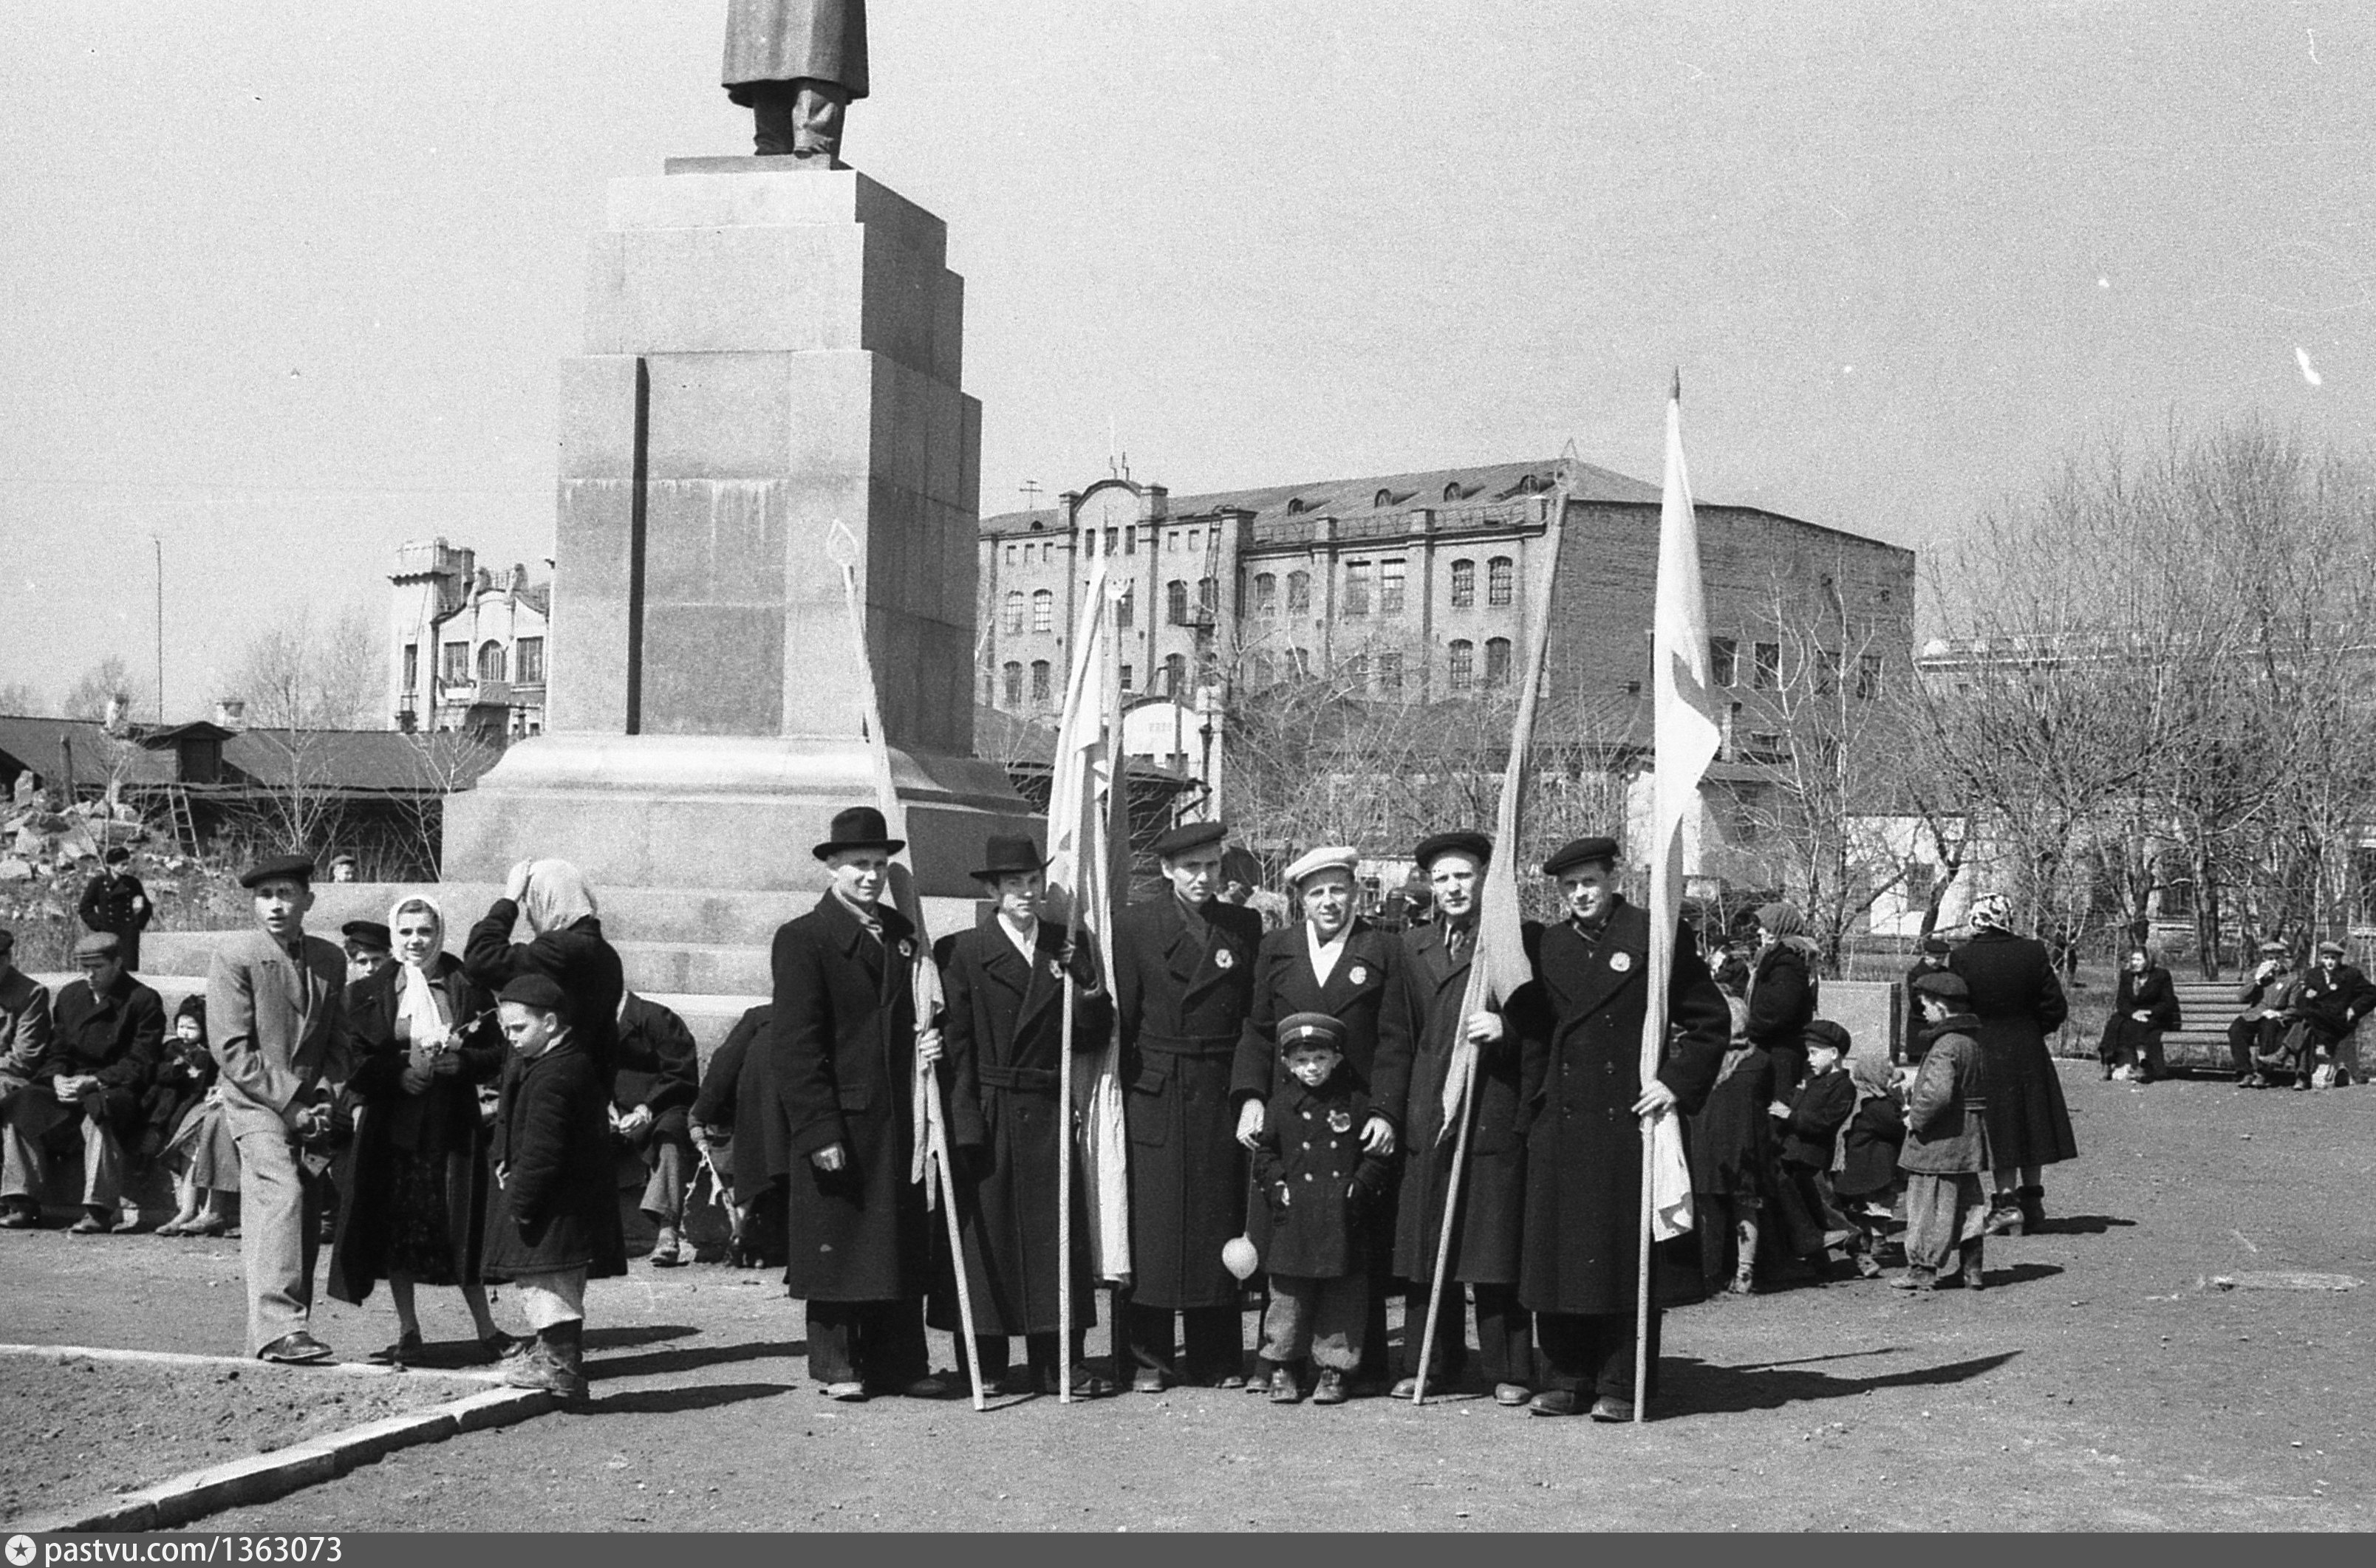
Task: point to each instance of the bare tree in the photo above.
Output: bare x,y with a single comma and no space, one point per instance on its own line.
19,699
300,679
111,678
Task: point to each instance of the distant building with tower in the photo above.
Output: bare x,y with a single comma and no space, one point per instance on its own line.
468,647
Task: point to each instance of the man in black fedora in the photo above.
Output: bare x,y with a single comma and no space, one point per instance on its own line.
1009,982
1183,981
845,1045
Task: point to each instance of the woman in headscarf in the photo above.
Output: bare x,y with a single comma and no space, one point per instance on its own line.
1782,993
2018,1001
414,1211
567,948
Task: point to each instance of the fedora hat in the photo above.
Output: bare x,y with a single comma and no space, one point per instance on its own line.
859,826
1008,853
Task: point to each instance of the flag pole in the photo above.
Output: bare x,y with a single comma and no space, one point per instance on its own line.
1065,1151
933,1151
1472,998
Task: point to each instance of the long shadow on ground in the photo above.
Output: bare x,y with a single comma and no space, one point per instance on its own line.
629,1336
692,1359
671,1401
1697,1387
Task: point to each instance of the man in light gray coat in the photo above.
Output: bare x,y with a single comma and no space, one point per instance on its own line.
276,1002
796,64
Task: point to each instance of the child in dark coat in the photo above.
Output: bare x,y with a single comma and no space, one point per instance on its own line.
1321,1185
1809,1132
1867,1182
554,1212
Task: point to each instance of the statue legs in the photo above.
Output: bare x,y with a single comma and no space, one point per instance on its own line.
802,118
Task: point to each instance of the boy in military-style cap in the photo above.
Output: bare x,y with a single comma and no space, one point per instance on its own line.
1321,1181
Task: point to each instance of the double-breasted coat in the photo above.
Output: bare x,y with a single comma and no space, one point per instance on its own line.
1005,1039
783,41
1492,1196
1365,991
1580,1075
2017,1000
555,1204
1321,1188
1183,984
116,901
116,1036
842,1049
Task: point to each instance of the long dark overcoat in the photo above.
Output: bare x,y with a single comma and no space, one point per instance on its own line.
782,41
1321,1189
1365,992
556,1204
442,1120
659,1066
1181,991
1492,1199
2017,1000
1580,1075
842,1046
1782,999
1004,1033
2150,993
113,1035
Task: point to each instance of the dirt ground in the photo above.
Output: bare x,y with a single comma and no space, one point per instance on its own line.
2107,1382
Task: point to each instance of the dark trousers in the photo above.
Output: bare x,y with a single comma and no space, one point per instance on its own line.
1216,1341
997,1354
2246,1035
1593,1353
1505,1335
802,116
877,1343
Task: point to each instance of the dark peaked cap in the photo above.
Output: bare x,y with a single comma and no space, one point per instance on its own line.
1576,852
1190,835
300,866
1476,846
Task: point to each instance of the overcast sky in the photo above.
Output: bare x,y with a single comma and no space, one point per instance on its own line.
285,285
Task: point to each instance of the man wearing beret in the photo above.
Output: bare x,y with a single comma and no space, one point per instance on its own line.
845,1045
1581,1103
115,900
1486,1221
1334,964
108,1029
276,1003
1183,982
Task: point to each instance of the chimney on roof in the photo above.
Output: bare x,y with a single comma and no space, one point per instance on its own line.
520,577
231,713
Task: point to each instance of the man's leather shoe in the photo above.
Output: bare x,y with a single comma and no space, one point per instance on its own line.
1330,1390
21,1220
931,1386
300,1348
1404,1389
1512,1394
1087,1384
1552,1402
1149,1380
1608,1407
850,1393
91,1224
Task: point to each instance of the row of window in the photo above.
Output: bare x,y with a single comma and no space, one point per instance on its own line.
1766,669
1116,540
1265,669
453,663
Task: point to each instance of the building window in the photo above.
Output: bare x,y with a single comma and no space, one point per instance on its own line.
1499,573
1043,610
1128,676
1130,541
1357,588
1175,602
1011,674
411,667
1010,555
1464,665
1497,661
491,661
1208,597
1464,583
1014,621
455,668
1868,686
1390,672
1040,693
1766,669
1299,593
1357,674
1390,587
1723,653
531,655
1175,675
1126,609
1265,593
1265,672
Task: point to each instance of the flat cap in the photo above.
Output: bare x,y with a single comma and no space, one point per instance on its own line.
1577,852
117,856
2274,946
1327,857
1311,1029
1476,846
296,867
1190,835
99,944
537,993
1935,944
1945,985
1823,1031
2336,947
368,934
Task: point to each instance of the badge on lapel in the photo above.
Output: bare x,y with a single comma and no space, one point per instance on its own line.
1340,1121
1621,962
1224,959
1056,968
907,948
1358,974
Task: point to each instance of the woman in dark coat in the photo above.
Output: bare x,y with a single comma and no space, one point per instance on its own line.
2144,1006
2018,1001
413,1211
1731,1150
1782,993
567,948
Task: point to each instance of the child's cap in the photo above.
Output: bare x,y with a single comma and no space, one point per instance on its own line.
1823,1031
537,993
1945,985
1311,1029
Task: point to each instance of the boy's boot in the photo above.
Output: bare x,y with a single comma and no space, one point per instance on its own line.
1284,1389
1331,1387
1971,1265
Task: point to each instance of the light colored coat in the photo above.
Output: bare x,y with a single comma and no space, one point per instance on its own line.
279,1031
783,41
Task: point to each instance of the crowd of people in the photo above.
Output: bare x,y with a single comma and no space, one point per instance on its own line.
459,1122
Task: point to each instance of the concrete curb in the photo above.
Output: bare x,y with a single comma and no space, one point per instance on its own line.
187,1359
261,1478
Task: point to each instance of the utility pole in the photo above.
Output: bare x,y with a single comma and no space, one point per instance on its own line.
158,541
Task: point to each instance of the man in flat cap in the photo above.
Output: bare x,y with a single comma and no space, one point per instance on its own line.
1336,964
1489,1218
1183,981
109,1031
115,900
1581,1099
2336,996
370,948
276,1005
1946,1154
796,64
844,1042
2267,996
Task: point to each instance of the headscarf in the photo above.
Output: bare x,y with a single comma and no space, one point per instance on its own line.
1872,1075
557,896
1787,928
1990,911
417,1013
